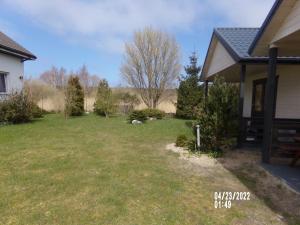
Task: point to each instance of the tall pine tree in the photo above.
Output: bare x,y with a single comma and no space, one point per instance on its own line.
190,92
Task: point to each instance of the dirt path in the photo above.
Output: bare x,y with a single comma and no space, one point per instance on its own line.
241,171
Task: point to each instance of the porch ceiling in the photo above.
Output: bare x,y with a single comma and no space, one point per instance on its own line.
272,25
232,74
289,45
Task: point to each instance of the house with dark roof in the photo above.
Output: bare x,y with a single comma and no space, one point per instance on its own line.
265,62
12,58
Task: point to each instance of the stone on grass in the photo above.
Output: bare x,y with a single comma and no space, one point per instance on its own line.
136,122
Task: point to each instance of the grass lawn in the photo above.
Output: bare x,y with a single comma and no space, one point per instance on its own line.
92,170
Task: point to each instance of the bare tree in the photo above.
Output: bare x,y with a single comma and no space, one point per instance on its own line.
84,78
55,77
94,81
152,64
63,77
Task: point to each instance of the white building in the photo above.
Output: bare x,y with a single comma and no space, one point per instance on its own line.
12,58
266,63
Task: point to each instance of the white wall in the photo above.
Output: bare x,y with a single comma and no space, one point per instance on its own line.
220,60
288,97
291,24
288,92
15,68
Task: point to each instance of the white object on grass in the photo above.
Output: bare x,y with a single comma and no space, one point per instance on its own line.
136,122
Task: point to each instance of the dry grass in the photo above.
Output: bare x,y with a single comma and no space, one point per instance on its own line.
56,101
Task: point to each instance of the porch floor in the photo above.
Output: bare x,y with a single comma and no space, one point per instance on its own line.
290,175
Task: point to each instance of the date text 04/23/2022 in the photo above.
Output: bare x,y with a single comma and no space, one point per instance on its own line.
225,199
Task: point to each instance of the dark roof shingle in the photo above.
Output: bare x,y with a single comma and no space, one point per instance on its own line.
9,44
239,39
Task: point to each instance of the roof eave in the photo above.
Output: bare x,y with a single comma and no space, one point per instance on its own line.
265,60
17,53
265,25
205,60
228,48
21,56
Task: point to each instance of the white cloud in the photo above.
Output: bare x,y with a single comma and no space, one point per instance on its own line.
103,20
107,23
241,12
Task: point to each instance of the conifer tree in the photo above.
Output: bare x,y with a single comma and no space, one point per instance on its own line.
190,92
74,105
105,104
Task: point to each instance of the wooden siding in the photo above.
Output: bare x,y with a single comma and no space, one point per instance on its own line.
290,25
219,61
288,97
273,27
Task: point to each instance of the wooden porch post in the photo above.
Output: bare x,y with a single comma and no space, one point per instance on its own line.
269,105
241,106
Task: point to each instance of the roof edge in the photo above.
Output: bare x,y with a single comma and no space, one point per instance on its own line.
228,48
267,21
205,60
26,55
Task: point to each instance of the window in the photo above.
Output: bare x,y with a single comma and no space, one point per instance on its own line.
259,98
2,83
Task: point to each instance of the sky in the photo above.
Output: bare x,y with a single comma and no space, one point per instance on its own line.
70,33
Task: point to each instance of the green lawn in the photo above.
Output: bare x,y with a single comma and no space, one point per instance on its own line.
92,170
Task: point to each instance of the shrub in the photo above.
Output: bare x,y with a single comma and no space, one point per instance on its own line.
215,154
154,113
209,137
74,105
37,112
17,108
181,141
137,115
128,102
191,145
219,121
105,104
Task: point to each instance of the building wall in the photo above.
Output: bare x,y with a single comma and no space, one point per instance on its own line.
288,92
288,97
14,69
220,60
291,24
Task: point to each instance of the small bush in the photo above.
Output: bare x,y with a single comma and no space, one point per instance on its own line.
181,141
17,108
215,154
154,113
191,145
127,102
106,103
137,115
37,112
